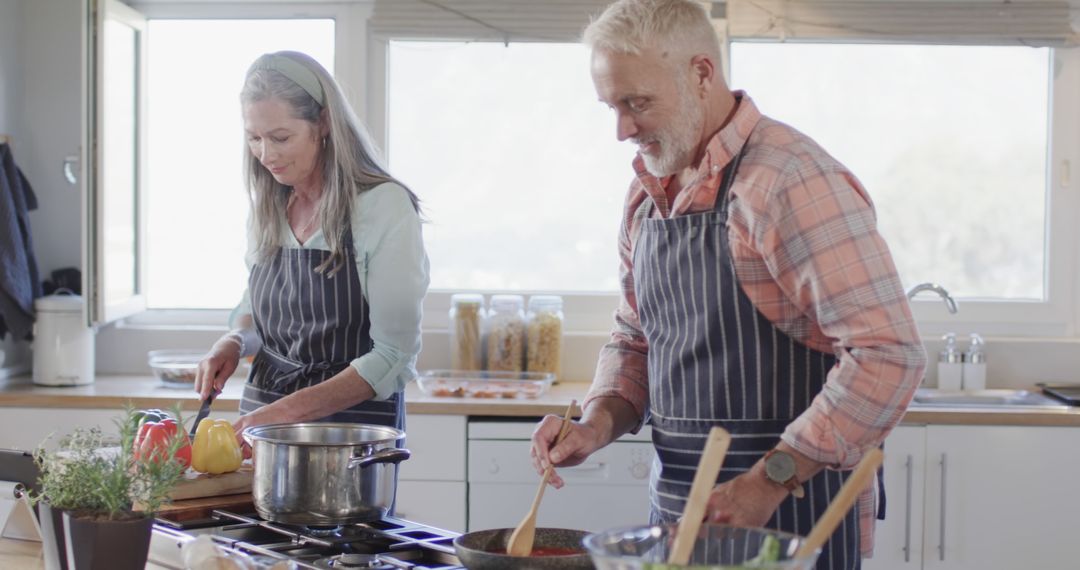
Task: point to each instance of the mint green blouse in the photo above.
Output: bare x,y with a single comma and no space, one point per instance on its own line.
393,270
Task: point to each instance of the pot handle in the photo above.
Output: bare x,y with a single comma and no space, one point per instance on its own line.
392,455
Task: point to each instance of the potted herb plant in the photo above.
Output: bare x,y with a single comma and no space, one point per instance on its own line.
97,499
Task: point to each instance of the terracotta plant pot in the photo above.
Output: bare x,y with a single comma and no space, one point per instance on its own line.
100,544
53,545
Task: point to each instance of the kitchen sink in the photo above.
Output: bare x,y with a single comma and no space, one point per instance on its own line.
1025,399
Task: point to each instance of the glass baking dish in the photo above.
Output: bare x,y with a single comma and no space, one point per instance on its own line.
484,384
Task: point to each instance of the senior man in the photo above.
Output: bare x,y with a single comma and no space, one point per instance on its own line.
757,294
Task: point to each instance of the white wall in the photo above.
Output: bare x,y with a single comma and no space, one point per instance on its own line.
39,108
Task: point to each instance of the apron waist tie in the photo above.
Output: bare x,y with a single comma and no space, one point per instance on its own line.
288,371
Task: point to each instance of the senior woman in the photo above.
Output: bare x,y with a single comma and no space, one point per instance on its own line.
337,268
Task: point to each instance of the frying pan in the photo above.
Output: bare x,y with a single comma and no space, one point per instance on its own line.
480,550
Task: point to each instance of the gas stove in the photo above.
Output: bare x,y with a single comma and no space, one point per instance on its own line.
387,544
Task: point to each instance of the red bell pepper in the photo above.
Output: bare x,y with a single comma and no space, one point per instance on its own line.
155,438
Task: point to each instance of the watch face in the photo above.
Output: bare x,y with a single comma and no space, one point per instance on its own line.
780,467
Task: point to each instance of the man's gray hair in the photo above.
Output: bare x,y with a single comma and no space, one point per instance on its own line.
632,26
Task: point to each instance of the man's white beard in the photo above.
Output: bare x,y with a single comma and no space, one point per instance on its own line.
677,140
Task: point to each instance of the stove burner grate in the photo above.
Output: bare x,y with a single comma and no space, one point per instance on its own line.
350,561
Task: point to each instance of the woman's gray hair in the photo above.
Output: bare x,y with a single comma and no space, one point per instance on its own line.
632,26
349,160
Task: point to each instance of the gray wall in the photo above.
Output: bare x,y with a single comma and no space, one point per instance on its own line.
10,76
39,106
50,126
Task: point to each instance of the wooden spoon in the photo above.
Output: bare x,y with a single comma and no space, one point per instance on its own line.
521,541
841,503
712,458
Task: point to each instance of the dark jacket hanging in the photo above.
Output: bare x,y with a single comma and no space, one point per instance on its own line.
19,282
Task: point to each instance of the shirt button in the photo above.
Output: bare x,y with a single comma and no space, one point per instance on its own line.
716,168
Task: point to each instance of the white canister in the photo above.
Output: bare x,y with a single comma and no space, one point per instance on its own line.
63,343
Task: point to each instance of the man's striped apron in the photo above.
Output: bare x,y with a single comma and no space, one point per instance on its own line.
312,326
715,360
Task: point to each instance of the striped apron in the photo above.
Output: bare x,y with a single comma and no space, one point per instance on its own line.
312,327
715,360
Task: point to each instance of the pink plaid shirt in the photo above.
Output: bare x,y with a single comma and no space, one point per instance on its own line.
807,253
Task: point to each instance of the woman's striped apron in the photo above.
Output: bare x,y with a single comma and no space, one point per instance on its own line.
312,326
715,360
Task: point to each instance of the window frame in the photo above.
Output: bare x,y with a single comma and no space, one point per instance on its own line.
366,80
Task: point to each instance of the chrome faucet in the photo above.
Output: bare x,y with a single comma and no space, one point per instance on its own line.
949,301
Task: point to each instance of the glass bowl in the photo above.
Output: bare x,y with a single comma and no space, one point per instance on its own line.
175,368
718,547
484,384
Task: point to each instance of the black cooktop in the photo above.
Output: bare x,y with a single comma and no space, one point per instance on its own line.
389,543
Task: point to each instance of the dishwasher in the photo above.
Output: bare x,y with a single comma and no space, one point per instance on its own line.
610,489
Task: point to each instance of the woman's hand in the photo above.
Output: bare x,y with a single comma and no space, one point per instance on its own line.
276,413
218,365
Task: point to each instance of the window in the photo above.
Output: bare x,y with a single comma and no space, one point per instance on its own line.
196,197
489,113
950,141
522,179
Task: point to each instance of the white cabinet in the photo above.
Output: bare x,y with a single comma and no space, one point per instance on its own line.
610,489
983,497
431,484
899,538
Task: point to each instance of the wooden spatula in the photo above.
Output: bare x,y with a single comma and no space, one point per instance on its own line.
712,458
841,503
521,541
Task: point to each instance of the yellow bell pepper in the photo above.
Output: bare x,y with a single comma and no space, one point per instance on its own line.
215,449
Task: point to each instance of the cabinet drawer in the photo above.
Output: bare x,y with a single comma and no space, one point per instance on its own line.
621,463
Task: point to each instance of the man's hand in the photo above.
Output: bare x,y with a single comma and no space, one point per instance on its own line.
747,500
581,441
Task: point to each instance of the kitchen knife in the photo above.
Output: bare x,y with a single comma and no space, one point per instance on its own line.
203,412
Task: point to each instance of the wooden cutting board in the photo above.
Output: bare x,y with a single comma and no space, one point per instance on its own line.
197,509
197,485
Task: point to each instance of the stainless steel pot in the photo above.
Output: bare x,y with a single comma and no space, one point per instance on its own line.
324,473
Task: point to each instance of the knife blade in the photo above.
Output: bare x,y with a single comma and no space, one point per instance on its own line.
204,411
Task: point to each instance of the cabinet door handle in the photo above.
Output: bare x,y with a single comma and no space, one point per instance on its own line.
907,513
586,467
941,538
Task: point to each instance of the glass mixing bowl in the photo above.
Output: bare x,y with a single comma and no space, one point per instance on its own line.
718,547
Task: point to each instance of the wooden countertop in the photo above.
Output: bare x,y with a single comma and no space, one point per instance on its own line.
146,392
20,554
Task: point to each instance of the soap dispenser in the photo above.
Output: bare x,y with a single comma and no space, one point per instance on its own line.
975,364
950,366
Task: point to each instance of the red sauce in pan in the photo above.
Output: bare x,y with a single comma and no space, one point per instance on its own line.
548,551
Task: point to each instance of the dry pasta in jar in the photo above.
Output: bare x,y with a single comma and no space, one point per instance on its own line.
506,334
466,328
545,335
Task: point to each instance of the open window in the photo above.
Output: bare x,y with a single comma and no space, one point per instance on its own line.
165,202
115,154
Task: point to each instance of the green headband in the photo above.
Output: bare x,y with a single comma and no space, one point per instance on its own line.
296,72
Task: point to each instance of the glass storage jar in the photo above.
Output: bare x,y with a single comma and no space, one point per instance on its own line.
466,327
506,333
544,322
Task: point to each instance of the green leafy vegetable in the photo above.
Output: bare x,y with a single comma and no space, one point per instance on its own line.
768,554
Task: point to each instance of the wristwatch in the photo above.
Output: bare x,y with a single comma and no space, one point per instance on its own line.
780,469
